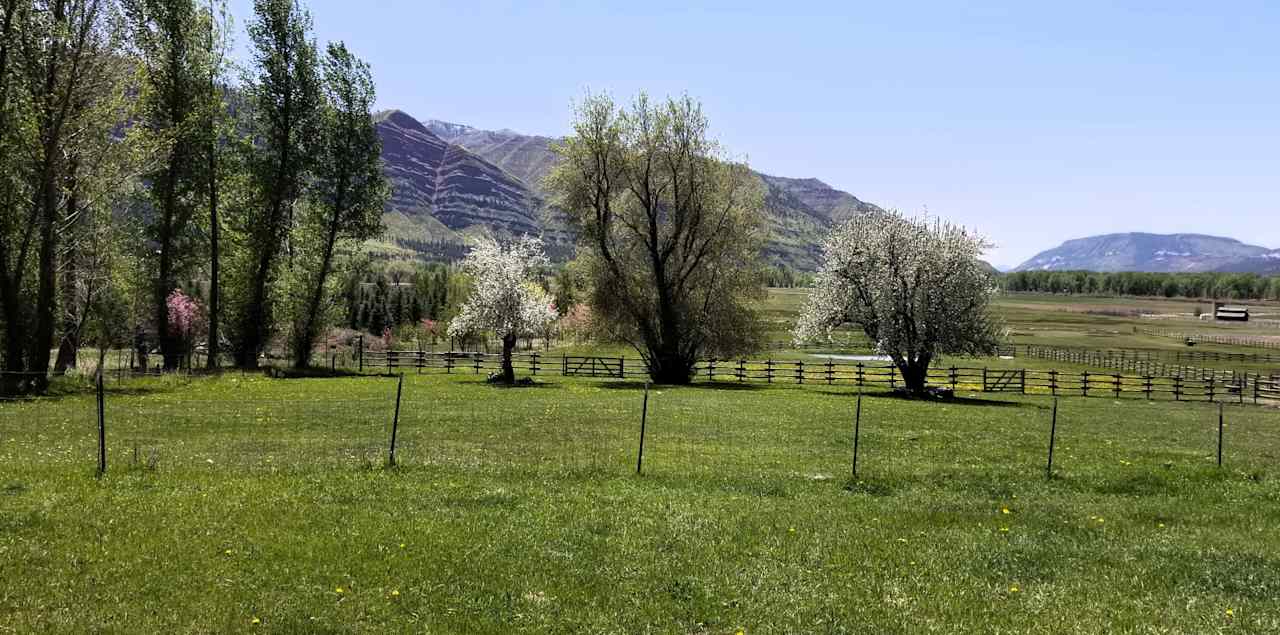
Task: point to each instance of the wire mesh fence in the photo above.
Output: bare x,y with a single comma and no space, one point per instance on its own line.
573,428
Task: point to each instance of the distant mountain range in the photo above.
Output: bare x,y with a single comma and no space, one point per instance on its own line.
451,182
1156,253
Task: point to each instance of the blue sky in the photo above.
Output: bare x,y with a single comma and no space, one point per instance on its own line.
1032,122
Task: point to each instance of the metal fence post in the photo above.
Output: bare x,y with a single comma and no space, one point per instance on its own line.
102,426
1221,424
644,415
395,422
1053,435
857,429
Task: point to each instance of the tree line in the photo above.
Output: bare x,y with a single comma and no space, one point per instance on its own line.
134,155
1226,286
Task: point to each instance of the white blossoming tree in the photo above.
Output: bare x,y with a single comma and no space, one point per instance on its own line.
504,297
915,286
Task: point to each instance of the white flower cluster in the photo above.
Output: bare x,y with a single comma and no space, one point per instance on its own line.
504,297
916,287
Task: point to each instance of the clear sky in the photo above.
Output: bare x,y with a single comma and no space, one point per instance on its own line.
1034,122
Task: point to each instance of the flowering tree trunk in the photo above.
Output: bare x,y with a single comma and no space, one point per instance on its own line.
508,370
915,371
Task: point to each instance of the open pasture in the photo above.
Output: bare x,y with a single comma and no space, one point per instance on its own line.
250,504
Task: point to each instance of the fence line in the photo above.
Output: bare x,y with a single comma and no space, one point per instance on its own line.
1140,362
1216,386
1230,340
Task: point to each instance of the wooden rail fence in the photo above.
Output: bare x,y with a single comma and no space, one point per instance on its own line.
1208,387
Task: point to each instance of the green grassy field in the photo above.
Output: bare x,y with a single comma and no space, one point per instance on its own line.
265,505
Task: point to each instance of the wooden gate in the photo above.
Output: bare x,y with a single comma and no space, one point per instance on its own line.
1004,381
594,366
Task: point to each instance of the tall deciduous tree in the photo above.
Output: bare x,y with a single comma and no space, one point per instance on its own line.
216,42
506,297
285,99
671,231
348,190
56,68
916,287
171,38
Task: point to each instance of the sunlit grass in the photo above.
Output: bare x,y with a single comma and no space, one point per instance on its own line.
519,509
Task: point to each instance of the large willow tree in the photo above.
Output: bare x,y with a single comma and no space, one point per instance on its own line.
669,227
916,287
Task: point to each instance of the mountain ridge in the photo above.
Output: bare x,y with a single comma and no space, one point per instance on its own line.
1148,252
446,176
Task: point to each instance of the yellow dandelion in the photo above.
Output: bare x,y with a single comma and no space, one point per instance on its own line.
1004,530
1013,589
1005,510
228,552
255,621
1230,613
402,545
339,590
1161,525
395,593
792,530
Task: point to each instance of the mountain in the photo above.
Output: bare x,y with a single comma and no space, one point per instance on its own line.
1266,264
529,158
452,181
1145,252
442,194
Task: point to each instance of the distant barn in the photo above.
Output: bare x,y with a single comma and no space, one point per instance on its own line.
1228,313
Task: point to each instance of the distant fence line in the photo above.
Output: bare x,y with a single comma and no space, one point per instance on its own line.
1140,362
1201,338
1222,388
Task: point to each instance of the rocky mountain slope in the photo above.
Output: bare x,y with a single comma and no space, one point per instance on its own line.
1146,252
452,181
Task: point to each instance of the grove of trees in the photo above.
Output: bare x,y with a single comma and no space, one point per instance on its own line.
1225,286
136,161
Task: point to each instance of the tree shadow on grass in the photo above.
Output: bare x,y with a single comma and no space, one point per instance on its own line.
716,385
517,385
62,389
956,401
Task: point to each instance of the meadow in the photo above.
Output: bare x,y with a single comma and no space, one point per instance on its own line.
247,504
254,504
